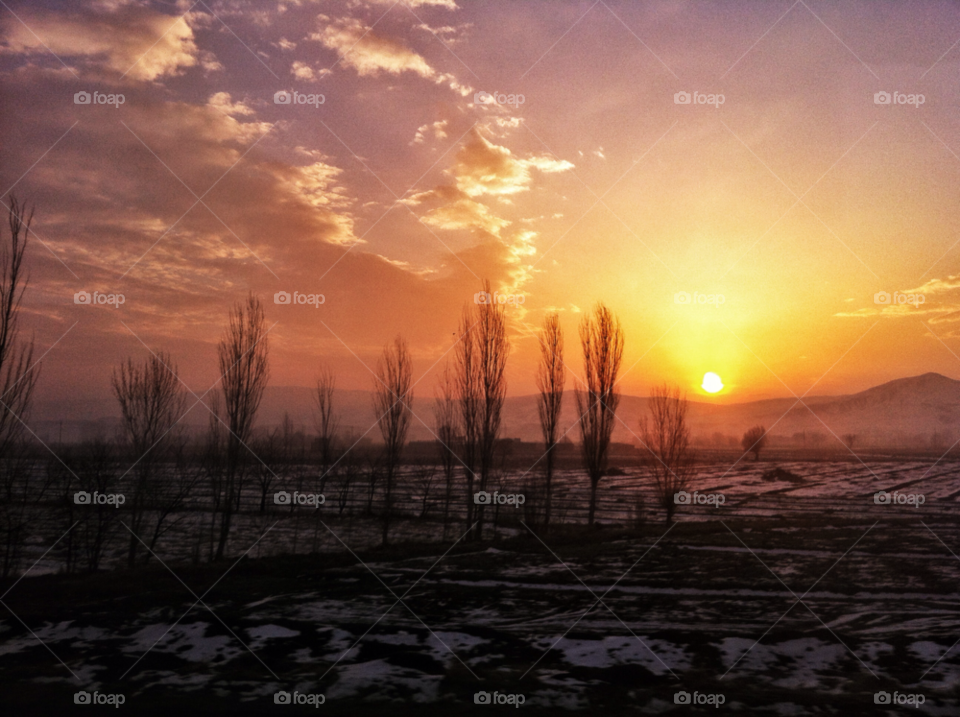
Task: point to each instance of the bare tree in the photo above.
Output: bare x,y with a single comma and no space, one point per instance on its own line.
551,377
754,440
601,339
391,402
18,378
446,420
170,496
213,463
151,403
243,354
666,439
326,423
489,334
467,377
423,478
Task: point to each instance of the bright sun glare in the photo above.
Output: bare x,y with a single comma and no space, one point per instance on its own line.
711,382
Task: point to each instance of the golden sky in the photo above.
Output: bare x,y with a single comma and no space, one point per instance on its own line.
784,206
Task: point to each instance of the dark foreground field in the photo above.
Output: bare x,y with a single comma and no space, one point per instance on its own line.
615,621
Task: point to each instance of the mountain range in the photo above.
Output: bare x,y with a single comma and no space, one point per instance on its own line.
902,411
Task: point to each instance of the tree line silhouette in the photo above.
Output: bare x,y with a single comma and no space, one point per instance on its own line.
166,468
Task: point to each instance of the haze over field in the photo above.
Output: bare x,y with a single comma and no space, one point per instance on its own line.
920,412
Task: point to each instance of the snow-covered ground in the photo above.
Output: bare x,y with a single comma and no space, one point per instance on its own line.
794,587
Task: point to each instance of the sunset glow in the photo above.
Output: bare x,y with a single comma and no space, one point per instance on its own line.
564,183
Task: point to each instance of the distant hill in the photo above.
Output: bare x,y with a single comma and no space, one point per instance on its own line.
897,411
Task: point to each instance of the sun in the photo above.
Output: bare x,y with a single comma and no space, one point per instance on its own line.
711,382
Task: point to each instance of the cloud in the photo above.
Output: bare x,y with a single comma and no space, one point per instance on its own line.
485,168
371,54
457,211
448,4
439,131
119,38
223,102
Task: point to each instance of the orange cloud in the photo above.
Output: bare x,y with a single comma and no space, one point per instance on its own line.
131,39
370,53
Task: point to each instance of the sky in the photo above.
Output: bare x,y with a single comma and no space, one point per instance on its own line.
782,200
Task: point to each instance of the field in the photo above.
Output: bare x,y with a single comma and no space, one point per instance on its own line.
799,595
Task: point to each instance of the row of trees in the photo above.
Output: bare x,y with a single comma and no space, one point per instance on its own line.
468,414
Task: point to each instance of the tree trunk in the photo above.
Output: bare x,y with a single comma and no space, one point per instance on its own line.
594,482
546,515
388,495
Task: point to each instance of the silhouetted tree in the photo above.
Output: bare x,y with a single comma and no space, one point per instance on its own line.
326,422
489,335
468,393
391,402
601,339
151,403
448,435
550,381
18,378
754,440
666,440
243,354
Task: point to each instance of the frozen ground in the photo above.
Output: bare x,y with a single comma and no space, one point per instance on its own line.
796,597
